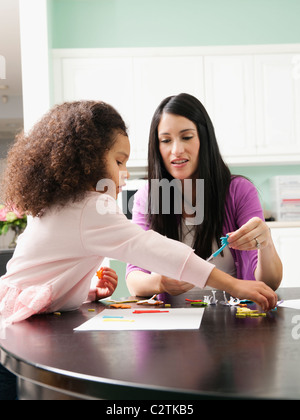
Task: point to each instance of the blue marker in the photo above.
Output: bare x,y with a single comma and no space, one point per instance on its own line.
224,242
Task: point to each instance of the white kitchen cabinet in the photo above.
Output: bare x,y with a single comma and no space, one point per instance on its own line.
133,85
229,100
286,240
156,78
254,103
252,93
277,91
108,79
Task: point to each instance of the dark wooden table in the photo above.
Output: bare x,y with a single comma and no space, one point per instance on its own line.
255,358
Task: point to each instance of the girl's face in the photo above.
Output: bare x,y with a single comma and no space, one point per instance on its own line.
179,145
116,160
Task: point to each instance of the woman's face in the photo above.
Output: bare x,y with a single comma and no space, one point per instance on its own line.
179,145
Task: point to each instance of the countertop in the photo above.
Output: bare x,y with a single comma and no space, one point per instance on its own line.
283,224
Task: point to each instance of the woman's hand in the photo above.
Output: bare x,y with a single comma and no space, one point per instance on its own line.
174,287
254,234
107,283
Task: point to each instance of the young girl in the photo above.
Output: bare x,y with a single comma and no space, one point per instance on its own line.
53,174
183,147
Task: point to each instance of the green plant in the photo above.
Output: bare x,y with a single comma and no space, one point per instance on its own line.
11,220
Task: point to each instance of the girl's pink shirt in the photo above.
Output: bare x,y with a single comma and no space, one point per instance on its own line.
58,255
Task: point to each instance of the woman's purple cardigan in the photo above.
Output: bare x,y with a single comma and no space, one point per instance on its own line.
242,203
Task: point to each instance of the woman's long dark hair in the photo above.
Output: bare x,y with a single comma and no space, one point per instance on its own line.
211,169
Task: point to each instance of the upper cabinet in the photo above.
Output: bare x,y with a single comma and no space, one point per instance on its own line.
156,78
277,91
229,100
252,93
109,79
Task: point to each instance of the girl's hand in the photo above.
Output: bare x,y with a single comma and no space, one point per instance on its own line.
254,234
257,291
107,283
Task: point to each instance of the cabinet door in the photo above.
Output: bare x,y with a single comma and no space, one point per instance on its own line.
277,104
229,93
287,241
156,78
105,79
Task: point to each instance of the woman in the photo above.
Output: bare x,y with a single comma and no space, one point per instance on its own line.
183,146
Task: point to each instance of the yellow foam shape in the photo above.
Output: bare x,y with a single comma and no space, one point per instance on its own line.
246,311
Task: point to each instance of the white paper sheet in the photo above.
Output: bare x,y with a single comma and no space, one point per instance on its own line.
174,319
293,304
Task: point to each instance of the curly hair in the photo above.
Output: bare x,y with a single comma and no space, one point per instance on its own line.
62,157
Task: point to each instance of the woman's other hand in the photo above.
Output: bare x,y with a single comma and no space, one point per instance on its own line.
255,234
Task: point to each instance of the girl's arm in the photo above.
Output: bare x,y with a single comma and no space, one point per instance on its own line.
106,231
